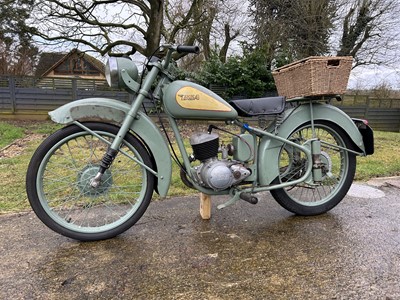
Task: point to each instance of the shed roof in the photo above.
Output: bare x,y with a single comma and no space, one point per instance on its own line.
50,60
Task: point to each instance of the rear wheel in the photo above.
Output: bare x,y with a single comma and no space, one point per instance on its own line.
59,190
337,171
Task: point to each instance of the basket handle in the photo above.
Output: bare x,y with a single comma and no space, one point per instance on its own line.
333,63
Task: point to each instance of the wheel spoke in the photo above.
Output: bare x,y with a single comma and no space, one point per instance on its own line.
61,192
293,165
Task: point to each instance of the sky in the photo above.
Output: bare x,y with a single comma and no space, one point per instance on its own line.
374,76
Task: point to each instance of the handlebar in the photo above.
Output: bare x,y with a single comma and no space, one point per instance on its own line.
178,49
187,49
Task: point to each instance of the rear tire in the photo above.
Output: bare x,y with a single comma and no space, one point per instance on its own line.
338,171
58,183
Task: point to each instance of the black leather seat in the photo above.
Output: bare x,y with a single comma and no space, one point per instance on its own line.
259,106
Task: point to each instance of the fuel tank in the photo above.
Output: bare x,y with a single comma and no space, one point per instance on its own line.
188,100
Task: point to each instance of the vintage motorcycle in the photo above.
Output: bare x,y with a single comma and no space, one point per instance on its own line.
94,178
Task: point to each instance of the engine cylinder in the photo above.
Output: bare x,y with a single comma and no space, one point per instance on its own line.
204,145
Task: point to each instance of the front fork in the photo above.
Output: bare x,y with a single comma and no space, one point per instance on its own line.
106,162
113,149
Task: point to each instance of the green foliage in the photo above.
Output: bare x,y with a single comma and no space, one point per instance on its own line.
297,28
247,75
13,16
17,52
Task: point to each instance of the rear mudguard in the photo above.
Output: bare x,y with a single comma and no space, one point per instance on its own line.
269,149
109,110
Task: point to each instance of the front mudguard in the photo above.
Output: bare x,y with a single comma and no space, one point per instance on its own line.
269,149
109,110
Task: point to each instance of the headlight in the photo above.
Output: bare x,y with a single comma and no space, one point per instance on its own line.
113,70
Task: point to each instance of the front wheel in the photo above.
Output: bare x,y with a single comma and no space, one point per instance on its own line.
338,170
58,183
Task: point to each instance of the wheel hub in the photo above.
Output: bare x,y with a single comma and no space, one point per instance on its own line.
87,174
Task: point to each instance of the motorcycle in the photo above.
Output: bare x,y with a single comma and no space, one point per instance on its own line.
94,178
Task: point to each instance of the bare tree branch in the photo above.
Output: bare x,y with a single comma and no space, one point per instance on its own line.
368,31
100,26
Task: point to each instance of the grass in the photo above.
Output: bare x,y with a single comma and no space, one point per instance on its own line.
384,162
9,133
386,159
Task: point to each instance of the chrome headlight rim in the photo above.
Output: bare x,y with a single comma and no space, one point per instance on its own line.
111,72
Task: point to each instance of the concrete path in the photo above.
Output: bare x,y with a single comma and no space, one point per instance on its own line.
244,252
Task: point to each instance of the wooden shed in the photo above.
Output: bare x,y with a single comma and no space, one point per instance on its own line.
74,64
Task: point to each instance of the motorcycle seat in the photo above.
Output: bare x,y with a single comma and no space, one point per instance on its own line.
259,106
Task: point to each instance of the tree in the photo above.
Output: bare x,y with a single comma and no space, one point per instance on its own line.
101,26
130,26
369,31
116,26
17,54
214,26
292,29
246,75
232,23
188,28
288,30
312,24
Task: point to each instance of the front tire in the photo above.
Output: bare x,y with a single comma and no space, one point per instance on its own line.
338,170
58,183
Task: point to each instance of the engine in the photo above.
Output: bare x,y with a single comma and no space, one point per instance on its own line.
214,173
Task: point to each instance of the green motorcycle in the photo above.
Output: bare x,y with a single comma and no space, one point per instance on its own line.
94,178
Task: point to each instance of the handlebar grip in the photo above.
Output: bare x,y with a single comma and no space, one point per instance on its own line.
188,49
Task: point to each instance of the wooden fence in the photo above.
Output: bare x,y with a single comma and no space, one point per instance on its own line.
32,98
382,114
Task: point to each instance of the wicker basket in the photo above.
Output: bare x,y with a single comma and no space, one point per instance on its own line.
313,76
